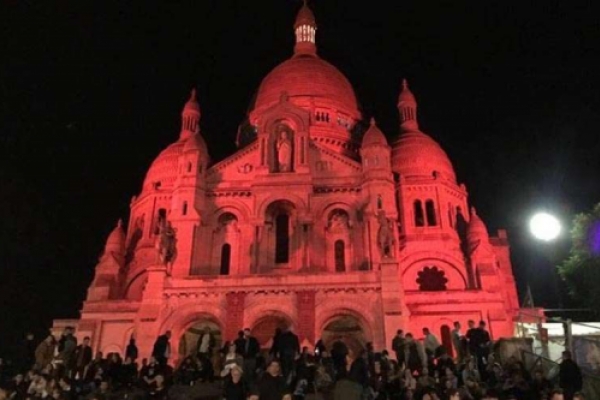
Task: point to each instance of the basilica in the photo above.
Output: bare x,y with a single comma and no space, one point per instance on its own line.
317,223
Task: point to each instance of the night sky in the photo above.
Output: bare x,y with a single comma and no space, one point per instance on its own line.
90,94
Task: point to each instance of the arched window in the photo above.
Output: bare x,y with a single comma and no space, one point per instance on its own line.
340,256
419,217
225,259
430,211
189,167
282,238
379,202
432,279
184,208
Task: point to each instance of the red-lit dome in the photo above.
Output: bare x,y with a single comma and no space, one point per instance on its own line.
308,78
476,231
374,136
115,243
163,171
417,154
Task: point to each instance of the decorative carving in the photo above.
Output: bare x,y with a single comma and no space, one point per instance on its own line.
385,235
166,244
245,168
284,149
339,221
432,279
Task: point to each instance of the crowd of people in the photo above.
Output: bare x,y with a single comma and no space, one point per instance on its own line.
416,369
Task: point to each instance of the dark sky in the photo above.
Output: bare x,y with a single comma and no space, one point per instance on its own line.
90,94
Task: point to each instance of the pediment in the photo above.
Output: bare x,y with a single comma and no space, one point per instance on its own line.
326,163
239,166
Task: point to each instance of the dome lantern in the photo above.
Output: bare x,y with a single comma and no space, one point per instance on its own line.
305,29
407,107
190,117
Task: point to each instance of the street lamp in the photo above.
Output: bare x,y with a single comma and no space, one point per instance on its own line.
544,226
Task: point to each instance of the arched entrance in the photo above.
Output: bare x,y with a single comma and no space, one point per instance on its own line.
346,328
264,329
188,344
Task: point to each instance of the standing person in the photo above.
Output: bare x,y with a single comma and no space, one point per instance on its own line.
131,351
353,379
570,378
471,336
44,352
83,357
206,344
249,352
339,350
458,342
162,349
414,355
320,349
431,344
276,345
67,350
289,349
398,346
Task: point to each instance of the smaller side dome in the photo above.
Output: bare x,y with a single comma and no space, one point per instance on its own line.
476,231
115,243
417,154
374,136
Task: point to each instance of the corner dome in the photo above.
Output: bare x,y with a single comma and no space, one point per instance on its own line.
416,154
308,80
374,136
115,243
163,170
476,231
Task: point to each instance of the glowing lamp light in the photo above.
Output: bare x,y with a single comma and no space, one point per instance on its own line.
544,226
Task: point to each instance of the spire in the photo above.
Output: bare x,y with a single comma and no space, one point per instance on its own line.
190,117
407,107
305,29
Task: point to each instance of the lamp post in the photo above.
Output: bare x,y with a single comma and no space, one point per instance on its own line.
546,227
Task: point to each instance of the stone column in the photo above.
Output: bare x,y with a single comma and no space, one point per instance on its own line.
306,315
147,323
395,312
235,315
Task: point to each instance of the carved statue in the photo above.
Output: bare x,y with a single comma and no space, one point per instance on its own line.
284,151
166,244
339,221
385,235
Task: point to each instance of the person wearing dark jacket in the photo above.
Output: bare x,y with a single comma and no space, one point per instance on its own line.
249,351
272,385
83,358
289,346
131,351
353,379
571,380
162,348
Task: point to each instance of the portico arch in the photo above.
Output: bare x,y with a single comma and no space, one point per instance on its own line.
347,326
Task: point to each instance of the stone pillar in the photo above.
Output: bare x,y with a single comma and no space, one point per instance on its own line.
147,323
306,315
235,315
395,312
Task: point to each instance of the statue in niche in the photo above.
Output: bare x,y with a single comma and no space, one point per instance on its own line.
385,235
166,244
284,148
339,221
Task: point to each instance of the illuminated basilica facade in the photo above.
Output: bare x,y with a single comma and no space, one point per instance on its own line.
316,223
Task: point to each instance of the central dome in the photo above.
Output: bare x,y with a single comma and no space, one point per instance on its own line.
308,79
